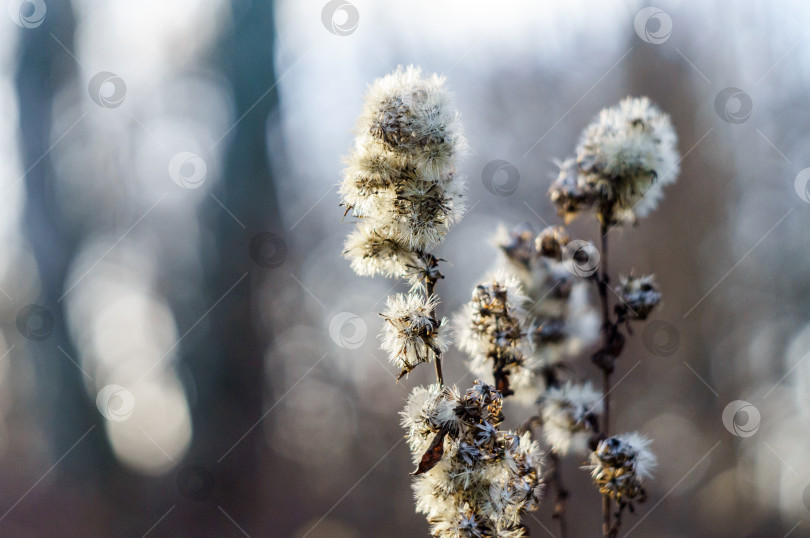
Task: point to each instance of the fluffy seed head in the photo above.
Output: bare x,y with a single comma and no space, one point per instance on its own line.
411,114
400,179
486,478
570,416
491,328
639,295
550,242
372,253
428,410
620,465
561,320
623,159
411,334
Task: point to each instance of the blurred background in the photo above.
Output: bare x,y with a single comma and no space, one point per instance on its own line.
183,351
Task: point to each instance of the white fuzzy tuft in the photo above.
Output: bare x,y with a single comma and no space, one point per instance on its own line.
569,413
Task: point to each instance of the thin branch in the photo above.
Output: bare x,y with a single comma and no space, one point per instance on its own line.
561,496
430,285
606,365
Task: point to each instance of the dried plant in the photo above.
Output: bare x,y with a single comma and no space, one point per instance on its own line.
526,323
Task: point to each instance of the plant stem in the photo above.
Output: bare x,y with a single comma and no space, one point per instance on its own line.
606,327
562,494
606,371
430,285
605,426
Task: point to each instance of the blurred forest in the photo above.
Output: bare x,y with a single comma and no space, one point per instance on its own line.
184,352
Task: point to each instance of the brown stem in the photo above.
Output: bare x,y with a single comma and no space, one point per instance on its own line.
614,531
603,284
606,370
430,285
605,426
562,494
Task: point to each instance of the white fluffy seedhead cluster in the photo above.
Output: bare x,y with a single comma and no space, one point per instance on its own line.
412,334
486,478
639,296
623,159
400,179
428,411
570,415
561,318
620,465
492,330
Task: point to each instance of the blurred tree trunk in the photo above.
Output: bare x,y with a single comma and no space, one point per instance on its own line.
227,364
43,69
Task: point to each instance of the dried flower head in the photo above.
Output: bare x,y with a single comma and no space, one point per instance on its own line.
623,158
411,334
570,416
491,329
568,192
561,318
551,241
411,114
400,179
620,465
480,479
517,245
482,402
639,296
372,253
428,411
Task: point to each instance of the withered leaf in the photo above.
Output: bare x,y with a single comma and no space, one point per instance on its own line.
604,360
433,454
